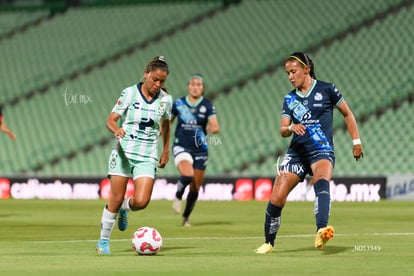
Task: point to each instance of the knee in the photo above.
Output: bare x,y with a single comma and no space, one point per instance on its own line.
277,200
194,188
138,204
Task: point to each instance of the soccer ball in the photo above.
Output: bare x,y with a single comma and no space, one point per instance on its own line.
146,241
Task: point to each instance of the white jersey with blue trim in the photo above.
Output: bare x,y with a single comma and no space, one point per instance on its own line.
315,111
141,122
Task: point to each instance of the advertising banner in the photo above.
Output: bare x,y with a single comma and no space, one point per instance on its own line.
214,188
400,187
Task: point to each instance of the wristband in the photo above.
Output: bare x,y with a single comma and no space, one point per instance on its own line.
290,128
356,142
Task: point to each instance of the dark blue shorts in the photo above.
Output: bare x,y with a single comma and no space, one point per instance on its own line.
301,164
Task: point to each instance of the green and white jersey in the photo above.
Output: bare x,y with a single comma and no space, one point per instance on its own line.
141,122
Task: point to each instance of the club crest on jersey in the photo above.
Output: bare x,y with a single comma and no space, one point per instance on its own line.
318,96
161,108
112,164
203,109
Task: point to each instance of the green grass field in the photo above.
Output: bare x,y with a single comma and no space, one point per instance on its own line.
59,237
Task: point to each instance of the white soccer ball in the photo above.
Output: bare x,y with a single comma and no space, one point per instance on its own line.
146,241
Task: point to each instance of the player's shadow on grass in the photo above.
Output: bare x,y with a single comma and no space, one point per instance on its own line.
329,250
174,248
207,223
167,248
335,249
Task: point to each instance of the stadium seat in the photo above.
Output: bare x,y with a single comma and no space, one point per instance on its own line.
226,48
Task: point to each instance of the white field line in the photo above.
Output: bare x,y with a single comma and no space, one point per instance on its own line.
227,238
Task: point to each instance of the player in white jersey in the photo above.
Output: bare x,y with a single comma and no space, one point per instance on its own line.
145,112
307,115
4,128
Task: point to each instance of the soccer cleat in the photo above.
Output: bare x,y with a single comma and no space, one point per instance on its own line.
176,205
265,248
186,222
123,219
323,236
102,247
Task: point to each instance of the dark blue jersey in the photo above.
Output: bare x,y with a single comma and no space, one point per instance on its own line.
192,120
315,111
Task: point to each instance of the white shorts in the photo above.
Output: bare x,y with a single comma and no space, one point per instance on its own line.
183,156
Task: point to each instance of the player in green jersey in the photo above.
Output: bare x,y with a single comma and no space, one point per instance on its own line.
144,111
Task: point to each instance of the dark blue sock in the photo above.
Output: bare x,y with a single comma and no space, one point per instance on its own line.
183,182
191,201
272,222
322,203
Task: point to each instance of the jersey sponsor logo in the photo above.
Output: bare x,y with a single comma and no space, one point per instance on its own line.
299,110
136,105
307,116
146,122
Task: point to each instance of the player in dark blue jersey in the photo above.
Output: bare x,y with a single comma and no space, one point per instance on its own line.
307,114
4,128
196,117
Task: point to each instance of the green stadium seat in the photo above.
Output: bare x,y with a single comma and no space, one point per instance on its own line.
225,48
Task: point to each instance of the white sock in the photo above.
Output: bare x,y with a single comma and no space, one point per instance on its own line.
107,223
125,204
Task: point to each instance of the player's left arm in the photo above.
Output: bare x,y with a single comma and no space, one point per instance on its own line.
352,127
165,134
213,125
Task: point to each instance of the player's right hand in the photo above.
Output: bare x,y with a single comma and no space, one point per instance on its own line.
119,133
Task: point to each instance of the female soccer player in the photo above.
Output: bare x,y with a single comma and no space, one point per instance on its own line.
145,110
196,116
4,128
307,114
